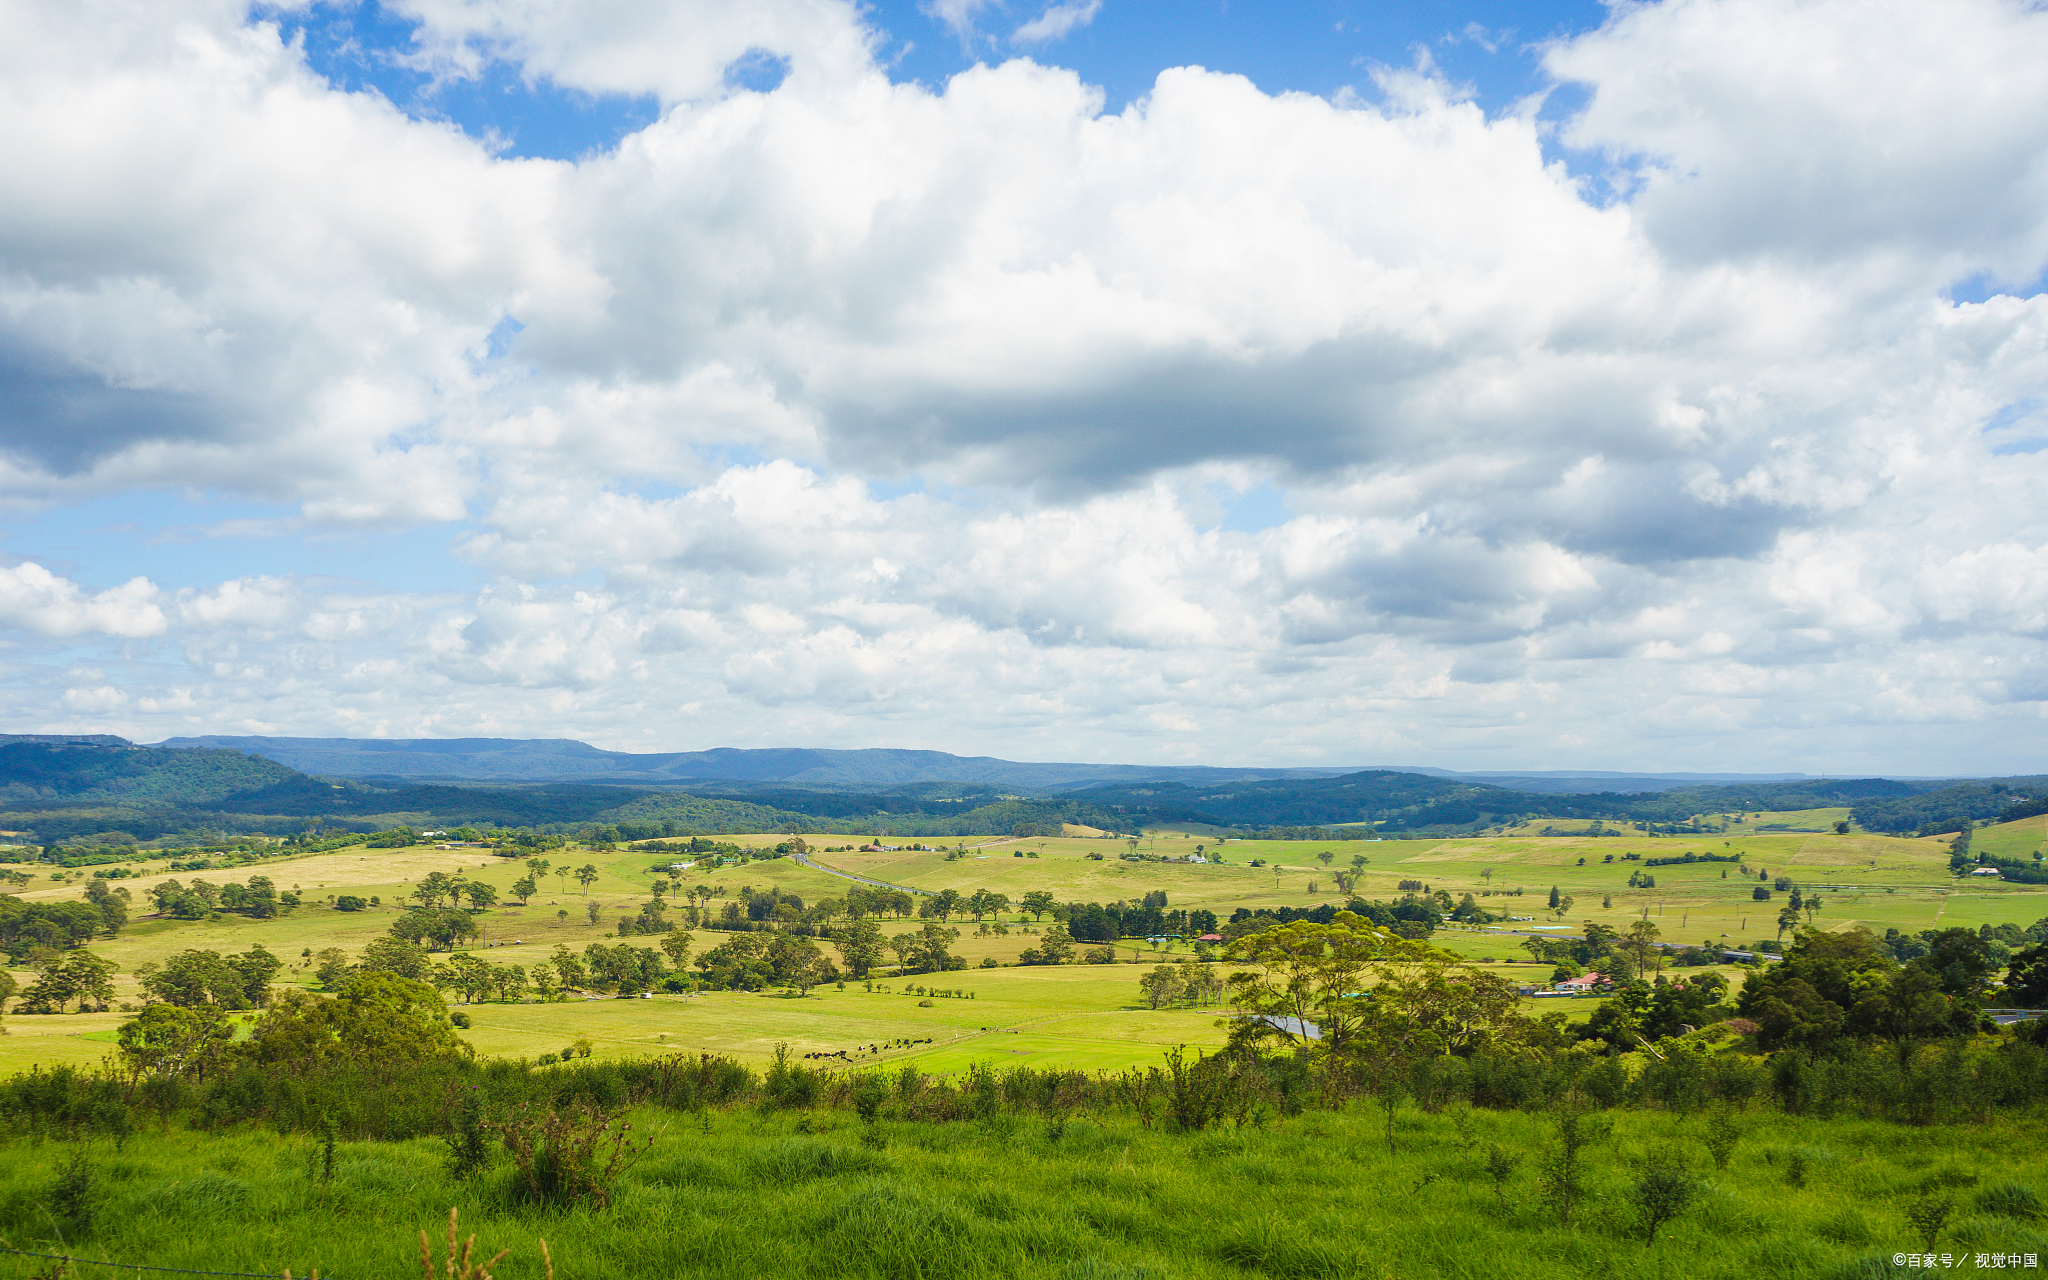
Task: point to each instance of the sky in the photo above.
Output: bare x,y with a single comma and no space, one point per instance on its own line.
1485,385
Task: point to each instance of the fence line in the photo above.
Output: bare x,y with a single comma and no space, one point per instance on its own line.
137,1266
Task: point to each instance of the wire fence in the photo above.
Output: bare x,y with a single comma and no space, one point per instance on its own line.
75,1260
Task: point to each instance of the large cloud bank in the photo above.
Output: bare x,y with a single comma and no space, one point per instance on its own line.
1690,462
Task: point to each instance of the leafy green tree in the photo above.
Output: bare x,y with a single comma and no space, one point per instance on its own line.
860,946
330,965
1038,902
524,888
1641,947
2026,978
480,895
586,875
255,967
395,955
433,887
1055,945
195,979
1961,959
932,954
443,929
80,976
379,1023
167,1041
570,968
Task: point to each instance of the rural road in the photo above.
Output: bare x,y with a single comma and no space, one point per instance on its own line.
806,859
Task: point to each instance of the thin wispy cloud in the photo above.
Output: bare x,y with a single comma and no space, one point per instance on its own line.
1056,23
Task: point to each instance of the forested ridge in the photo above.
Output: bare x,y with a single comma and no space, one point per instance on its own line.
58,791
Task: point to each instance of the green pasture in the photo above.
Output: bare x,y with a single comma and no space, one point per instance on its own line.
1081,1015
1091,1196
1876,881
2017,841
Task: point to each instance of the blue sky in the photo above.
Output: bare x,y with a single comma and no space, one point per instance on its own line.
1484,385
1320,48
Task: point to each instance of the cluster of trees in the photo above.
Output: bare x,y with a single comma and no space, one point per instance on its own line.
257,898
1643,1013
1187,983
28,928
1847,988
442,928
756,961
617,969
1055,946
1602,949
193,979
379,1025
1413,916
1367,1000
78,975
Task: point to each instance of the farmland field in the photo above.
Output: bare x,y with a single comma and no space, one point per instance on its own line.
1081,1014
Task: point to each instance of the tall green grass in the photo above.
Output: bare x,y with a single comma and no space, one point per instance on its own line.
749,1193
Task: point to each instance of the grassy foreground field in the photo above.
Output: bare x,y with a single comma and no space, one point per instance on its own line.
748,1193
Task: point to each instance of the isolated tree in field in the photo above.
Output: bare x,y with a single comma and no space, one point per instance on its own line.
1037,902
586,874
591,910
562,874
480,895
1562,908
1324,857
1788,918
1553,897
675,944
524,888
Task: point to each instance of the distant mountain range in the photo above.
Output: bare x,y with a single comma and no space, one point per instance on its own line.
96,789
565,760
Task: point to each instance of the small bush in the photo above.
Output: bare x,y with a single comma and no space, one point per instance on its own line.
569,1157
1928,1214
1664,1191
70,1197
